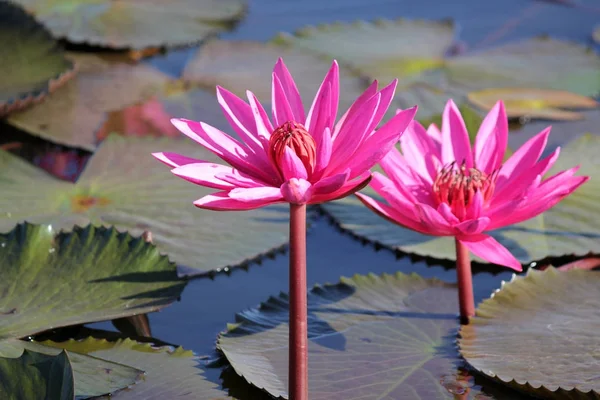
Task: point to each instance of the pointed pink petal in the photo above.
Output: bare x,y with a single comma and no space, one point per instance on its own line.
297,191
523,159
203,174
323,153
473,226
331,183
174,160
487,248
240,117
238,179
420,151
282,110
348,188
455,138
358,103
398,217
264,128
387,94
322,118
221,201
491,140
434,132
256,194
476,208
291,165
430,218
291,90
331,82
446,212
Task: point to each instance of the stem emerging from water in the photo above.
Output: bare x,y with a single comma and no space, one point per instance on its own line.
298,336
465,283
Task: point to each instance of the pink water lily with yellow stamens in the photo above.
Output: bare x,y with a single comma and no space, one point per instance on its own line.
440,185
294,157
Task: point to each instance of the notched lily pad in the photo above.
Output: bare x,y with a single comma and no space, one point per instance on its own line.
32,62
36,376
539,333
534,103
388,336
145,198
135,23
108,275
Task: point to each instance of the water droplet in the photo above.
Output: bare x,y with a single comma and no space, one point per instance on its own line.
51,250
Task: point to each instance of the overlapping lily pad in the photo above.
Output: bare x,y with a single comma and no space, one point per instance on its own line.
32,62
73,115
36,376
124,186
540,333
134,23
170,373
568,228
244,65
534,103
388,336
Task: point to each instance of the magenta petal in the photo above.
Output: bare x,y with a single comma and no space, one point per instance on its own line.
430,218
324,149
174,160
348,188
473,226
358,103
391,214
491,140
297,191
323,117
264,128
240,117
261,194
455,138
330,83
291,165
204,174
238,179
387,94
446,212
221,201
331,183
421,151
487,248
282,110
291,90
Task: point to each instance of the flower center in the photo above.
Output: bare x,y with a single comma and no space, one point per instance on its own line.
296,137
457,186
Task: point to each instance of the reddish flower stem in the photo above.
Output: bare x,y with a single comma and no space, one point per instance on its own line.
465,283
298,336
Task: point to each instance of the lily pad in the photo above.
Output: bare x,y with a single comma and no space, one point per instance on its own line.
539,333
124,186
566,229
73,115
534,103
170,373
134,23
93,376
244,65
108,275
36,376
32,62
388,336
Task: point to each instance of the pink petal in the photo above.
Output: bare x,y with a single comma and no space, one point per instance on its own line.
492,139
240,117
473,226
263,124
446,212
221,201
348,188
331,183
455,138
399,217
297,191
323,118
387,94
421,151
324,149
381,142
260,194
291,165
487,248
282,110
331,82
358,103
203,174
430,218
291,90
174,160
238,179
476,207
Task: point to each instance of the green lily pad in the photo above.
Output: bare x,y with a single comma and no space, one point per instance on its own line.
388,336
108,275
170,373
134,23
244,65
36,376
145,198
74,114
539,333
93,376
566,229
32,62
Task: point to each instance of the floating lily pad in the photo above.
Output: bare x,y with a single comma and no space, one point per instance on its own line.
388,336
567,228
73,115
244,65
36,376
540,333
534,103
134,23
32,62
170,373
108,275
124,186
93,376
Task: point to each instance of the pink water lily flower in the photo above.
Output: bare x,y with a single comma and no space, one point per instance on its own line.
440,185
294,157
